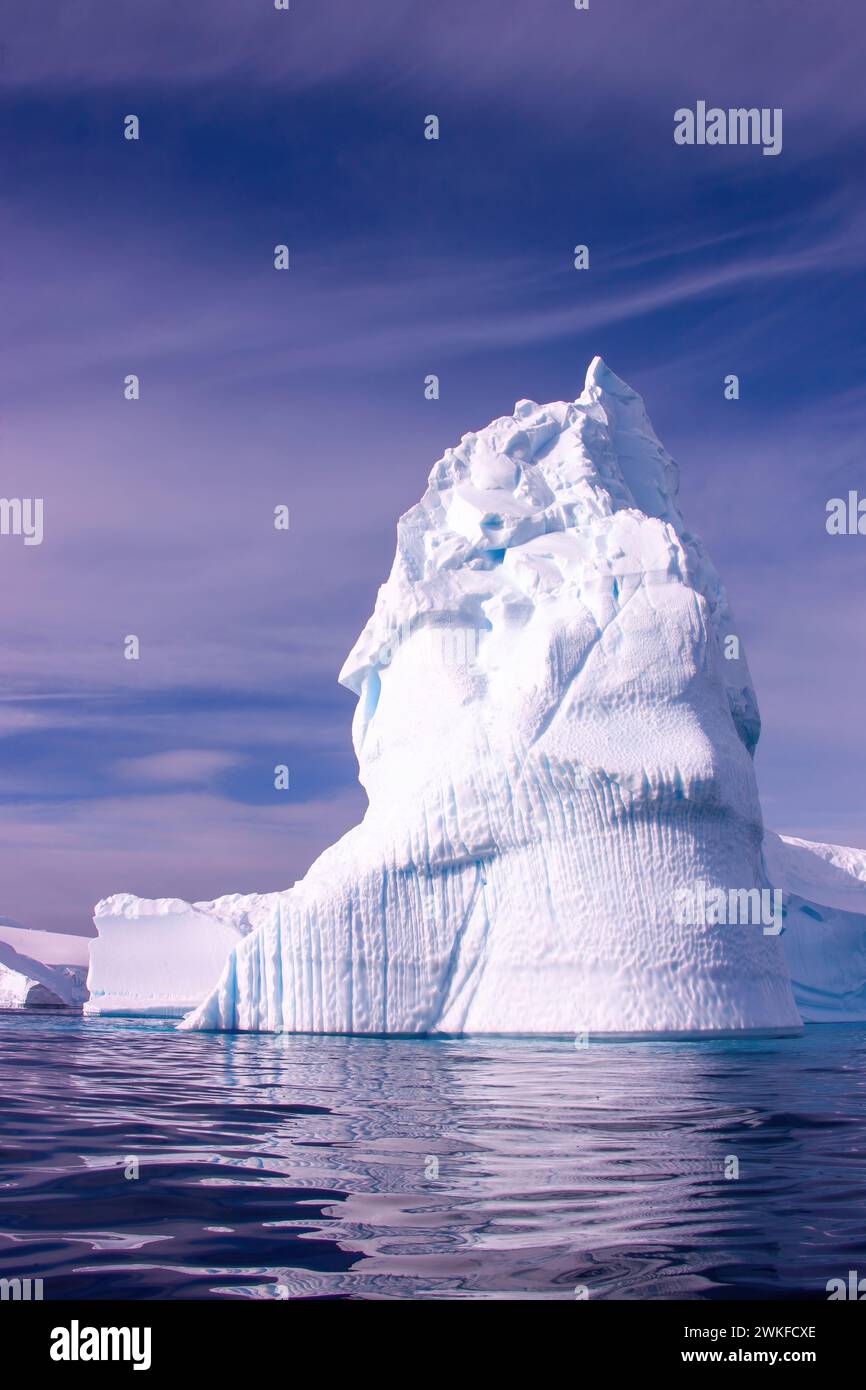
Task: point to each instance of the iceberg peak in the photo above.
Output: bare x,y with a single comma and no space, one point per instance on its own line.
555,501
600,376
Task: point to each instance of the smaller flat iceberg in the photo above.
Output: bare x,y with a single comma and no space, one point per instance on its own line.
158,958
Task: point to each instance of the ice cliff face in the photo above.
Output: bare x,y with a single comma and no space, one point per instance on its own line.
553,744
159,957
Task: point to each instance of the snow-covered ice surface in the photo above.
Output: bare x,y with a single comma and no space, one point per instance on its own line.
160,957
825,925
55,980
553,743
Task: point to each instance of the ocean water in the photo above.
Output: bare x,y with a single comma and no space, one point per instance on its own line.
388,1168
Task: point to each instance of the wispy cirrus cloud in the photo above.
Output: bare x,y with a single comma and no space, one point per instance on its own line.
459,51
176,767
382,311
191,845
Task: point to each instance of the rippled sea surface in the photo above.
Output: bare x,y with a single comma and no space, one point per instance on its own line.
347,1167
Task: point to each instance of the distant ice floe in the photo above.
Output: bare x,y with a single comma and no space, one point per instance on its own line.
44,970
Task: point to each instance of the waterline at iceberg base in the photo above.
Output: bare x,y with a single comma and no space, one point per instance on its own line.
555,730
528,940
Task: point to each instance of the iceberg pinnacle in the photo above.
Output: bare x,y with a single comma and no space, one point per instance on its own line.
555,733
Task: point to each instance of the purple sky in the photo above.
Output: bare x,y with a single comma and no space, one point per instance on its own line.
408,257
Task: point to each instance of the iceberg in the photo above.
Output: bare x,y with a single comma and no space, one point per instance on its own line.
53,980
555,728
825,925
159,958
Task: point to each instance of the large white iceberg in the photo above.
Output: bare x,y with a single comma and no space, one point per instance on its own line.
555,728
555,734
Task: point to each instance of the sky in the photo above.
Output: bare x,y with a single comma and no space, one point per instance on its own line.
305,388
